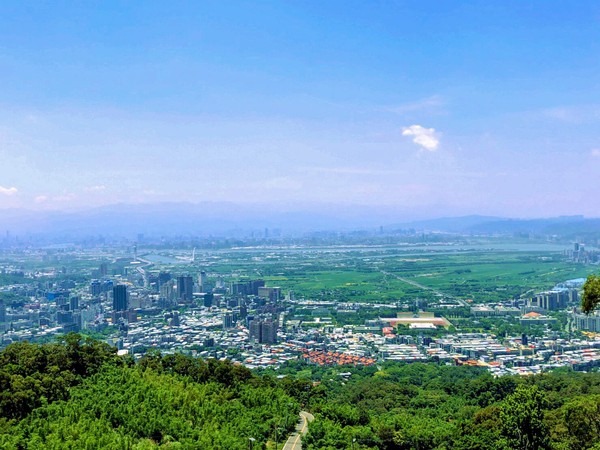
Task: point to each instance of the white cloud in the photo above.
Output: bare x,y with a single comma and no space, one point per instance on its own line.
41,198
427,138
595,152
8,191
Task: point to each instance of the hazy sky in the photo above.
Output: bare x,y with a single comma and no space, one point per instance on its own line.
445,107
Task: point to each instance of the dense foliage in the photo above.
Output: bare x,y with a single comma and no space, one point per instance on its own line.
32,375
80,394
426,406
591,294
103,401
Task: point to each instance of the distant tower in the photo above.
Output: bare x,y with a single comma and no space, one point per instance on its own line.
208,299
185,288
202,279
167,291
227,320
2,312
255,330
74,303
268,332
163,278
120,300
263,331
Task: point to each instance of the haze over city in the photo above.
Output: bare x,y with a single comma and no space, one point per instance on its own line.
434,108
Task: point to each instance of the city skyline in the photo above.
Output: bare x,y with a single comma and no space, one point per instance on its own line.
441,108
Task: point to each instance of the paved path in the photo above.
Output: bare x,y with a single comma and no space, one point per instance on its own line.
295,442
425,288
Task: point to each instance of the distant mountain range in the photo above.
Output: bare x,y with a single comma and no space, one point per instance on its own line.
218,218
230,219
565,226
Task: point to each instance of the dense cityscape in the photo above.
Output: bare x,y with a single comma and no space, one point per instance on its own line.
138,300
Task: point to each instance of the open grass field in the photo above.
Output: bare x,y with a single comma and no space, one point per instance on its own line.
386,275
489,276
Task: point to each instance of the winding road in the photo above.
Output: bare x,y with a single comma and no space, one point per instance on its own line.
294,442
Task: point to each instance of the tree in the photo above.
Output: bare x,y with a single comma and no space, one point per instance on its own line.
591,294
582,420
522,418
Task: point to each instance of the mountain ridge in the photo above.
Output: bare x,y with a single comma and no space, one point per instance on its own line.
176,218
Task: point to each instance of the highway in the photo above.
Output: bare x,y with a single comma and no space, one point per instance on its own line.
294,442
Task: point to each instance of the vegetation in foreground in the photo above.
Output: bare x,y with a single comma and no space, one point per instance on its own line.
79,394
427,406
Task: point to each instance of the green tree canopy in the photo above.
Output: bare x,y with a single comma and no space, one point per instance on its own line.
522,418
591,294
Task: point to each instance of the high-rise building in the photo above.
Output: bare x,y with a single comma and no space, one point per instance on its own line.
255,285
167,291
269,332
573,296
273,294
203,278
551,300
120,298
208,299
263,331
255,329
2,312
63,317
62,303
227,320
246,287
239,288
185,288
95,288
77,320
587,322
74,303
163,278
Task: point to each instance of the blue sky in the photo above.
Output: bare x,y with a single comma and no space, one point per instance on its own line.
441,107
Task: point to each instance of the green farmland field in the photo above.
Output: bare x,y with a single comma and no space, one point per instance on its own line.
388,274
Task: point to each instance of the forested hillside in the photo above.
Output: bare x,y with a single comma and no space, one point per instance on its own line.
79,394
425,406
